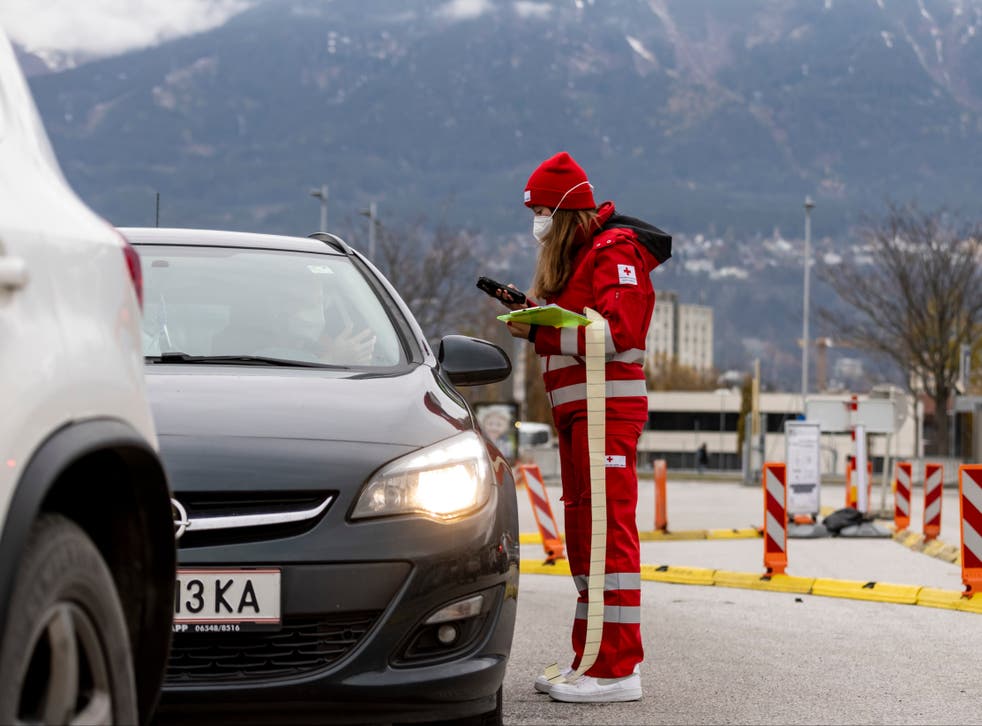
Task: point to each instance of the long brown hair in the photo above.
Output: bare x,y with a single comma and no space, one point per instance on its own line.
555,264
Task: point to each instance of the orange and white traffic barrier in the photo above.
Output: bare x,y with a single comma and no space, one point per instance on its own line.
901,495
775,518
970,498
933,488
852,490
661,496
542,510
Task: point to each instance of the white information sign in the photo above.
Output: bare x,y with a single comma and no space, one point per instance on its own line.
802,441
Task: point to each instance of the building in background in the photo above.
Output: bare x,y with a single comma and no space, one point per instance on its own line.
679,422
679,332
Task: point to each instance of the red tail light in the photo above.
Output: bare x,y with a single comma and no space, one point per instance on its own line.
136,271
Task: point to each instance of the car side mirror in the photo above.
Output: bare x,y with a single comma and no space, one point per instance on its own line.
472,362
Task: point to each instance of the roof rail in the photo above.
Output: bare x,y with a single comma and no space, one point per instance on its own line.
332,239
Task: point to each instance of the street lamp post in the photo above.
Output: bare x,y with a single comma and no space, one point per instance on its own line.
722,422
322,195
372,214
809,205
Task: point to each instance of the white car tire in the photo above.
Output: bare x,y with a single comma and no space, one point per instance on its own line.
65,655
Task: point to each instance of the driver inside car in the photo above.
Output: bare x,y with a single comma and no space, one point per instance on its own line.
290,319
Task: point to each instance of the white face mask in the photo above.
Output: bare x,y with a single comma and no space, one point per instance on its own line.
541,226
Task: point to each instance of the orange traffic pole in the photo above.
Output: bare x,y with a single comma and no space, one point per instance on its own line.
901,495
869,486
775,518
542,510
851,493
970,499
933,488
661,498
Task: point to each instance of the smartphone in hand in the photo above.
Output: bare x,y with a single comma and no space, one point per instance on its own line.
505,294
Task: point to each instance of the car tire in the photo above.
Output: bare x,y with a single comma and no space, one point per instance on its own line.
65,602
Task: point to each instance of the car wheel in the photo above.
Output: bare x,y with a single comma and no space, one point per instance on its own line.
65,655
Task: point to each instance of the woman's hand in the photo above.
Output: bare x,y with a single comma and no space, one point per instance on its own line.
519,330
516,306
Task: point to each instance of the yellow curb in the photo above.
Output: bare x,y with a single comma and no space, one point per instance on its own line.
971,604
848,589
659,536
744,533
934,548
913,540
858,590
534,567
678,575
773,583
932,597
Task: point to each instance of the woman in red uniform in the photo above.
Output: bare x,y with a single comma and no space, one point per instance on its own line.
593,257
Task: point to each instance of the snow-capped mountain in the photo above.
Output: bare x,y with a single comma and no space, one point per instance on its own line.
712,118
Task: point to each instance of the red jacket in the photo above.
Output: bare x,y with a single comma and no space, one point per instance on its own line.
611,274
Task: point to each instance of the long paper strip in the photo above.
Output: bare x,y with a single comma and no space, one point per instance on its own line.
596,417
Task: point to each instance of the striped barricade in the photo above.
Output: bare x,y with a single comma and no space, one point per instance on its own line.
775,518
852,493
542,510
901,495
970,499
933,488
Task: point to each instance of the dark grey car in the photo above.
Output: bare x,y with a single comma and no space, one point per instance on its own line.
348,542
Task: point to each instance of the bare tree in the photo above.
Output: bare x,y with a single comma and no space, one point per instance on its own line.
916,302
429,269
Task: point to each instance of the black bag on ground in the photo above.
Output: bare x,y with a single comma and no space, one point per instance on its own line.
842,518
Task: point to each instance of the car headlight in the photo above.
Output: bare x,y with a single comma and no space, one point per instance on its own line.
442,481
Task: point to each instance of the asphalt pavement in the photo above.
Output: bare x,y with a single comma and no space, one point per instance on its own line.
719,655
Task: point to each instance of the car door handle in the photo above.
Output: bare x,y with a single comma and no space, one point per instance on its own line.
13,273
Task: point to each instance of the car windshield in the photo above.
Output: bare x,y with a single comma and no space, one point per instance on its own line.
207,302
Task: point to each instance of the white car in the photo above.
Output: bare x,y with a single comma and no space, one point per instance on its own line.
87,542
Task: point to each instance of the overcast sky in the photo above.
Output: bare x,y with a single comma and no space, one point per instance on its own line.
93,28
63,31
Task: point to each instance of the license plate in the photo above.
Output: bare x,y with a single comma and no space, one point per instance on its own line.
227,600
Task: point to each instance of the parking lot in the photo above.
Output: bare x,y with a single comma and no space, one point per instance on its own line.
720,655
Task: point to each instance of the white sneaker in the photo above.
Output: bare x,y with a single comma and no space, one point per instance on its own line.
587,689
543,684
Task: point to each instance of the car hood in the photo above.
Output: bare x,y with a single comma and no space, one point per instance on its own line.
410,409
232,427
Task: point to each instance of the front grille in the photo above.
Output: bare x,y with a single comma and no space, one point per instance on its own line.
238,503
301,646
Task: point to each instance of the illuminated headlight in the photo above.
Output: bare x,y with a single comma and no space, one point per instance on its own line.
441,481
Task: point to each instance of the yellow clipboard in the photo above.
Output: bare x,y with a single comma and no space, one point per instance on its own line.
551,316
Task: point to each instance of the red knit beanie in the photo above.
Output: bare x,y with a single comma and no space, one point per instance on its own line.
559,183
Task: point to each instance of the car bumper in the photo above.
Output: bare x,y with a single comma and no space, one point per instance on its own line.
332,577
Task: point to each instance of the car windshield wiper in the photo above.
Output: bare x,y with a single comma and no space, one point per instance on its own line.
235,360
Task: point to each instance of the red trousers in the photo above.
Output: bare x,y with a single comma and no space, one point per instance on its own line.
620,647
